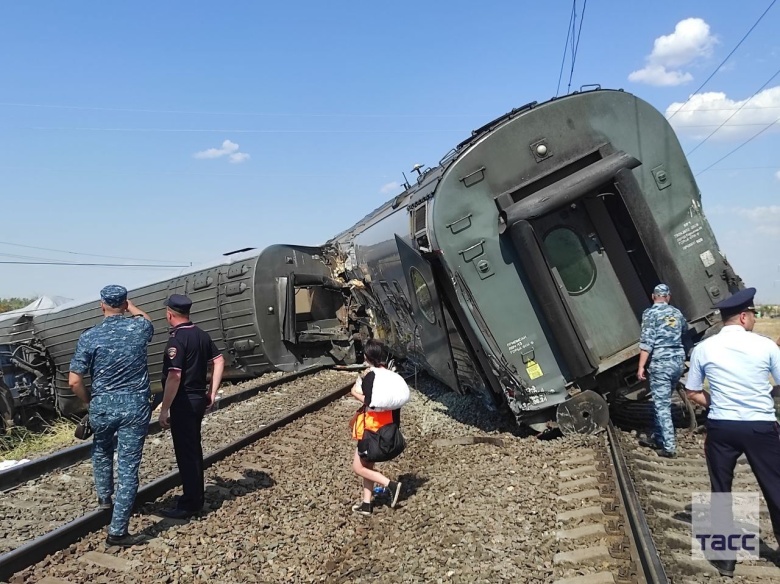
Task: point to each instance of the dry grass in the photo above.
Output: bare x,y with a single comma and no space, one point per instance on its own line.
769,327
21,443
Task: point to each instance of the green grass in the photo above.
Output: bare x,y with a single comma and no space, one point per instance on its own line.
19,442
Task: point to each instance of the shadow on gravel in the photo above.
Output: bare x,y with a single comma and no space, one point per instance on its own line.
410,484
219,489
472,410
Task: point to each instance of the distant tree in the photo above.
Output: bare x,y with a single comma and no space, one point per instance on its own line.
7,304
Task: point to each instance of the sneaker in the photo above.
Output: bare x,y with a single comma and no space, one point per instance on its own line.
105,503
667,454
394,489
125,540
362,508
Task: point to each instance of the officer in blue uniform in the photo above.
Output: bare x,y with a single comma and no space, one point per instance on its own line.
663,327
741,418
186,397
113,353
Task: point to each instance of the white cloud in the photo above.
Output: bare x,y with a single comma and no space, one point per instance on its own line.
777,175
691,40
389,188
763,219
239,157
658,75
706,111
229,149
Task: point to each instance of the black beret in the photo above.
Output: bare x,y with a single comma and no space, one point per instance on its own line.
179,303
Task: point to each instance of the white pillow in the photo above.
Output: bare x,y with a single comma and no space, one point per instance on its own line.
389,391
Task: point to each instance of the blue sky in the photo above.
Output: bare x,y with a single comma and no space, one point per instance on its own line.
179,131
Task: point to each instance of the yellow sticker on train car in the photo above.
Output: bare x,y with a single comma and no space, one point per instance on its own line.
533,369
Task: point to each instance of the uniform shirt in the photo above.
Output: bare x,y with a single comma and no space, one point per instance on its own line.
189,350
662,330
114,354
737,364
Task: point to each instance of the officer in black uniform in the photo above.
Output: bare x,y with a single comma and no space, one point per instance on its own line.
186,397
741,419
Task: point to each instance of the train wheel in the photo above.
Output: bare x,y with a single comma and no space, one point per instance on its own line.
585,413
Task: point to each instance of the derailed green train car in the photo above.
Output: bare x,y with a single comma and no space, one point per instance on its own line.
522,263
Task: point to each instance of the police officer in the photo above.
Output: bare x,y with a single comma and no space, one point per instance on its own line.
114,354
741,418
186,397
661,340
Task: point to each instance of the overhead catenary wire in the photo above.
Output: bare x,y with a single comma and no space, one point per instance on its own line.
106,265
94,255
577,46
566,45
746,35
753,137
759,90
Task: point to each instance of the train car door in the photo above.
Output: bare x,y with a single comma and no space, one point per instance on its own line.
587,280
426,307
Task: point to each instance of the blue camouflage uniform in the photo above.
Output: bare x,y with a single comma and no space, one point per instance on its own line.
663,327
114,355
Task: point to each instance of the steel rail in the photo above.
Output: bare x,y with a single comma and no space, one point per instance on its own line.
33,552
21,473
649,560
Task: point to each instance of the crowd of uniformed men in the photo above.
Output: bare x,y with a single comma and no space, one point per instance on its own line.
736,363
114,354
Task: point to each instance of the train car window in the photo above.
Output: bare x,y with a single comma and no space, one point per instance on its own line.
423,295
569,255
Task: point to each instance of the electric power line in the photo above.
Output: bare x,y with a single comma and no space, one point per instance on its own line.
747,34
733,114
753,137
94,255
234,131
577,47
93,264
566,45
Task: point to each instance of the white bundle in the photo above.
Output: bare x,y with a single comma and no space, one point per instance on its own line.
389,391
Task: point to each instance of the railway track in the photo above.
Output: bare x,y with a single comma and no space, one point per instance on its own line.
65,457
478,505
624,515
54,541
60,495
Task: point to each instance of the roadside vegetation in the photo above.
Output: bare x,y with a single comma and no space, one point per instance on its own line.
7,304
20,442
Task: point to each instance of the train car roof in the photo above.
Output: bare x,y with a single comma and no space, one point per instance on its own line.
428,180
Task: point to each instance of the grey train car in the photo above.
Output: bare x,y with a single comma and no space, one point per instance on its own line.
277,310
519,267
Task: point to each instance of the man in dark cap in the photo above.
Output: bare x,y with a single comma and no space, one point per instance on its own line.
113,353
186,397
741,419
663,327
